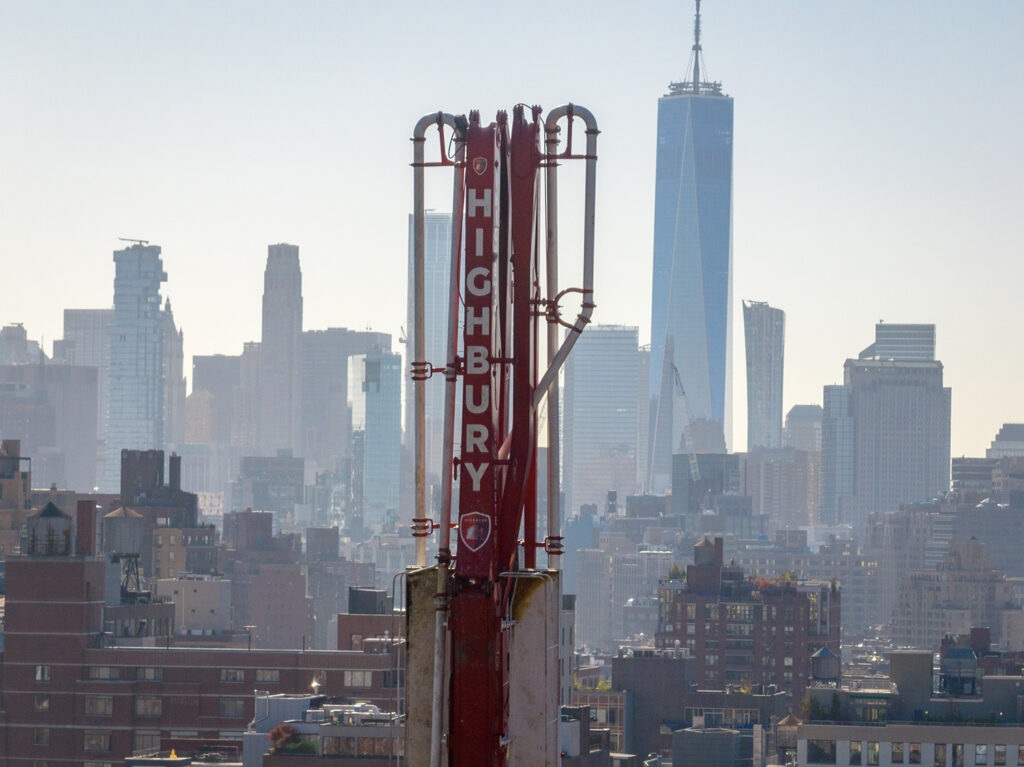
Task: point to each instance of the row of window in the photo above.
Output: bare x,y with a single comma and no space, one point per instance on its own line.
156,673
100,740
824,752
145,705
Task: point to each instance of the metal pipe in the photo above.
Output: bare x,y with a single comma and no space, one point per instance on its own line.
419,132
551,227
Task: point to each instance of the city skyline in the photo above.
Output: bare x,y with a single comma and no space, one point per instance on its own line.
812,196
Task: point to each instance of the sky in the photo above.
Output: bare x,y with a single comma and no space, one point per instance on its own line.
877,167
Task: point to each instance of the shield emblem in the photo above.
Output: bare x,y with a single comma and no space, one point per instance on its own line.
474,530
479,165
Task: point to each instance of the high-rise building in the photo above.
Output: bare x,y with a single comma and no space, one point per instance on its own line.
437,234
907,343
885,439
803,428
375,396
1008,443
174,381
218,374
280,381
135,409
692,280
87,342
599,417
765,333
326,424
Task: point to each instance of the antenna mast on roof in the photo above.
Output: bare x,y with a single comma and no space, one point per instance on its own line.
696,50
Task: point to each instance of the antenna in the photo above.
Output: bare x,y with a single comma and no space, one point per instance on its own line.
696,50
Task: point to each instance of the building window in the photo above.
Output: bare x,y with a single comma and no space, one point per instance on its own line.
42,673
99,705
981,754
96,764
268,675
103,673
147,740
358,678
97,740
855,752
711,659
691,611
42,701
915,754
999,755
958,755
940,755
896,756
232,707
873,754
821,751
148,705
149,673
232,675
788,661
357,642
41,736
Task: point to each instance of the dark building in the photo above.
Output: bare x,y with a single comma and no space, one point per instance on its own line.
270,484
745,631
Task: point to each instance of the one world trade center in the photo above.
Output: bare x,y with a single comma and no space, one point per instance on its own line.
692,286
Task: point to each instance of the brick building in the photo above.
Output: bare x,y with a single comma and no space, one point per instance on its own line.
66,696
746,631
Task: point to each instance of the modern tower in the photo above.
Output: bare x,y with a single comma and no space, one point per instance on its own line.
280,384
765,333
87,342
375,396
907,342
692,280
135,409
599,429
437,234
885,438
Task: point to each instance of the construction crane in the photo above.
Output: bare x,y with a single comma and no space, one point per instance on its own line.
485,617
689,445
133,240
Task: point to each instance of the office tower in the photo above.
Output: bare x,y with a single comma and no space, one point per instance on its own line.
326,423
885,439
437,233
803,428
280,382
599,416
218,375
1008,443
174,381
87,342
908,343
765,333
692,280
135,409
52,409
375,396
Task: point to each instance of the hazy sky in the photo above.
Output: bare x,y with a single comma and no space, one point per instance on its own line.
879,152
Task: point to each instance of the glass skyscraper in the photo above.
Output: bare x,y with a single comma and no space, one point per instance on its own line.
375,396
692,281
765,333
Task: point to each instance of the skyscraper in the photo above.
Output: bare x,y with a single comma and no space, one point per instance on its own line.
885,439
87,342
910,343
135,409
174,382
437,234
375,396
600,415
765,333
280,383
692,280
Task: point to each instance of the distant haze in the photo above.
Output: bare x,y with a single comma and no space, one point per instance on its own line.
877,168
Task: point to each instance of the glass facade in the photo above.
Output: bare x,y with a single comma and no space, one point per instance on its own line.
375,396
692,280
765,334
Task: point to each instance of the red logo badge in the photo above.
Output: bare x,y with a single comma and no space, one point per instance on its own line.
479,165
474,530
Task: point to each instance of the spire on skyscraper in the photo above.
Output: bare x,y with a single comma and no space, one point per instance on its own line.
695,81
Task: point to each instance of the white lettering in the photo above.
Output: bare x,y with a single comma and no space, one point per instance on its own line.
476,438
480,274
484,202
475,471
471,404
478,316
479,242
476,360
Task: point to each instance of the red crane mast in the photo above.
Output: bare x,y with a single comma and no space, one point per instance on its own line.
496,274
